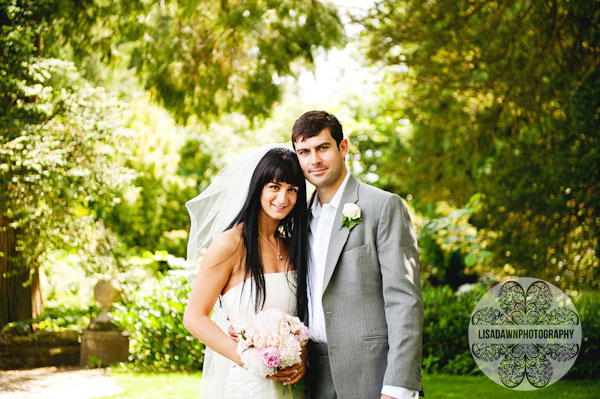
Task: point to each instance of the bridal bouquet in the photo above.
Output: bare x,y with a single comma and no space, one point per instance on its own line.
272,341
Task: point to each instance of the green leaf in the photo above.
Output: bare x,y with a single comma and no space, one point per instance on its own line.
471,259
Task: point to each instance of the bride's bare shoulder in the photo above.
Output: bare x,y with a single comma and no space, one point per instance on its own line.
227,245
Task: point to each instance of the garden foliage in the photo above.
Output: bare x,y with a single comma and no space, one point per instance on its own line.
446,329
55,319
499,98
446,326
155,324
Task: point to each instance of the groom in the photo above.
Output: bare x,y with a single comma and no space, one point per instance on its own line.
365,310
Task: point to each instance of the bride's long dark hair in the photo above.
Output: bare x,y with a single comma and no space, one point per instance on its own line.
278,165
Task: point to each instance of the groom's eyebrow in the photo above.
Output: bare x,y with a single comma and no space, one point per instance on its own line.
316,146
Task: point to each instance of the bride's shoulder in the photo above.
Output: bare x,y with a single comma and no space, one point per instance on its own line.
227,243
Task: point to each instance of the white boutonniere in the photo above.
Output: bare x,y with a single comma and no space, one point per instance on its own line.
352,215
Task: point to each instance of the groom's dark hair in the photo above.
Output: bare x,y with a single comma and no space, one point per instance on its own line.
312,122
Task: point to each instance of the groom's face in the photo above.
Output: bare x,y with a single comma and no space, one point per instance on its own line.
321,159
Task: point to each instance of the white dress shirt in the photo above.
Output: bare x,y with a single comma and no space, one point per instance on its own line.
321,225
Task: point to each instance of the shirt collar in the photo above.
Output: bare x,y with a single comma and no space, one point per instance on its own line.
335,201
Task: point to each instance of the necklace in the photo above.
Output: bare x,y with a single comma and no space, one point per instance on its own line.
271,245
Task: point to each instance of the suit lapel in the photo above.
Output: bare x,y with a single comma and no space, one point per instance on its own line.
311,200
339,233
309,206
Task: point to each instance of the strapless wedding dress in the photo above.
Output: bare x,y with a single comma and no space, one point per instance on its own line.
238,304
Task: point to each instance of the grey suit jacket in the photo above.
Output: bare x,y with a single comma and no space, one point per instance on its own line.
372,296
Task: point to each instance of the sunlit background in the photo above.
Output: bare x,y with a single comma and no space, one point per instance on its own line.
483,116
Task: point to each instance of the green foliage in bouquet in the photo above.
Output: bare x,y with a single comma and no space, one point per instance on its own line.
155,323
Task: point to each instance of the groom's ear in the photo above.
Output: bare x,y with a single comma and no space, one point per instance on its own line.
343,147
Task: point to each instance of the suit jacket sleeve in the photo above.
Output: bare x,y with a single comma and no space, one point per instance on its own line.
399,263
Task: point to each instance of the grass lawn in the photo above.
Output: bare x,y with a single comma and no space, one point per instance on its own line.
481,387
185,386
147,385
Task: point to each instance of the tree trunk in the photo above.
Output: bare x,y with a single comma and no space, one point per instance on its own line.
20,296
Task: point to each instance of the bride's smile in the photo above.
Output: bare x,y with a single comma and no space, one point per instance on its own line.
256,248
278,199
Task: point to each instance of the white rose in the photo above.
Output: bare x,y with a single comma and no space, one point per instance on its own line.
243,345
284,327
250,332
351,211
273,340
290,351
258,340
295,328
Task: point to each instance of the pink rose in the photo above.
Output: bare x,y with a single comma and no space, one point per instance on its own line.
271,357
303,335
273,340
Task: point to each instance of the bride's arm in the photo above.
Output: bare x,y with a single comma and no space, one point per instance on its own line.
213,275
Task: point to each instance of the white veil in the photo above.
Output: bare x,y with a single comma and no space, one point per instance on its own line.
210,213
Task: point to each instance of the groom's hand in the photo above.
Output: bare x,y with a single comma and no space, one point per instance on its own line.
292,374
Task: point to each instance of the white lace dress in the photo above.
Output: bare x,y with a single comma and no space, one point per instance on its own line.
238,304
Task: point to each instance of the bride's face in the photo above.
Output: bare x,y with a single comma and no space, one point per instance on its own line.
278,199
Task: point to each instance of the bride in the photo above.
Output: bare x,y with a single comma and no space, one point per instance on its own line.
249,266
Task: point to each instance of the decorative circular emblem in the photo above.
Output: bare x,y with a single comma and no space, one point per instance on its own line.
525,334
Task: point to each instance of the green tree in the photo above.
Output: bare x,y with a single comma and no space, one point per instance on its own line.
200,58
61,161
172,164
52,174
57,156
500,98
